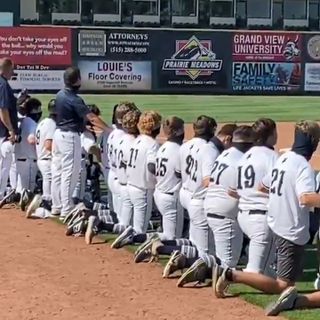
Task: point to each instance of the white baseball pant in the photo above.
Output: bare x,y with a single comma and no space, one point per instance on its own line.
13,174
45,169
113,186
80,188
6,159
26,173
228,238
261,247
199,229
66,163
172,214
142,208
126,206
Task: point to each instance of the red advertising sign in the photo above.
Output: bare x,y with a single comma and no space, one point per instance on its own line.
36,46
267,46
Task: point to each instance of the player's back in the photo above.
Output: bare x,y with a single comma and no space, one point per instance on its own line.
223,178
123,156
111,147
166,162
197,158
291,176
44,131
142,152
252,168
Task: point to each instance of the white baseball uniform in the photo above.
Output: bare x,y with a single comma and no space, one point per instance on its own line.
26,156
197,158
44,132
253,206
123,158
222,210
291,177
166,195
6,161
141,182
113,184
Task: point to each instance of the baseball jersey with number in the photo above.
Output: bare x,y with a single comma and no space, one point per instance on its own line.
166,163
252,168
123,156
45,131
23,149
111,146
142,152
224,177
197,157
291,177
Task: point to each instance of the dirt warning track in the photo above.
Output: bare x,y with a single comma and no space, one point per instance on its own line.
45,275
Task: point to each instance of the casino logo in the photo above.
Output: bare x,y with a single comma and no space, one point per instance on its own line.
314,47
193,57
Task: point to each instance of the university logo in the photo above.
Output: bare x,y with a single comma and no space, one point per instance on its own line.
193,57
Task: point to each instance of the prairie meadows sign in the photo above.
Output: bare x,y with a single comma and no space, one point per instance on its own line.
193,57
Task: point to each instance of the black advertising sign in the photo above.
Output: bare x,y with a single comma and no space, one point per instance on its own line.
117,44
193,61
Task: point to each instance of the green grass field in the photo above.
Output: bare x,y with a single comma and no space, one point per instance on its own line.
222,108
227,109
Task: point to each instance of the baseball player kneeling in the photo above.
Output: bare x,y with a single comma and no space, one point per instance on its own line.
291,185
25,150
197,157
253,204
112,148
141,178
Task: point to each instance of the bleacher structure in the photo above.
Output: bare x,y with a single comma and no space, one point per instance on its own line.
217,14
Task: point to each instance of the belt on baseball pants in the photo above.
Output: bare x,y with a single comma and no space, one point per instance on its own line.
216,216
24,160
262,212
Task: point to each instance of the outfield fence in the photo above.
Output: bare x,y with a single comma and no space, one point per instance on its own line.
165,60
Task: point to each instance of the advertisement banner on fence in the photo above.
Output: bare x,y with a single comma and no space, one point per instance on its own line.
118,44
312,77
37,80
36,46
266,76
195,62
115,75
267,46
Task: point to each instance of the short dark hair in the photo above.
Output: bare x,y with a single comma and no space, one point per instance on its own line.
263,129
227,129
71,76
94,109
243,134
32,104
204,126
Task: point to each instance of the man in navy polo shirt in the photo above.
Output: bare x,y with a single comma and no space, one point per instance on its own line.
72,117
8,118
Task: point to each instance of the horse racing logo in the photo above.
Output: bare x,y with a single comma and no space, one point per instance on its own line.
193,57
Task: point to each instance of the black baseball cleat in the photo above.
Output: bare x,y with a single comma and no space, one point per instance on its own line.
196,273
25,198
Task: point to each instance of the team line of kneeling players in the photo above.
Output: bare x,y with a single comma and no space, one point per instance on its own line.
231,184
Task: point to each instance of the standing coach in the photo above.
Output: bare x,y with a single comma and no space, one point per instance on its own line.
72,117
8,118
